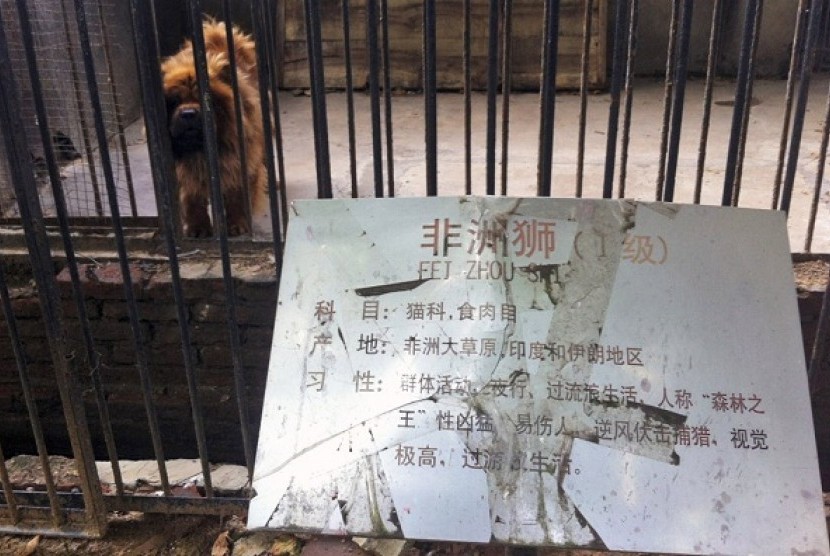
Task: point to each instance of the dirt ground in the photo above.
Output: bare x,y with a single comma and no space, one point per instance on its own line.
156,535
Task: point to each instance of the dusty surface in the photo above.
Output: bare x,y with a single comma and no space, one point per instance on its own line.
155,535
812,275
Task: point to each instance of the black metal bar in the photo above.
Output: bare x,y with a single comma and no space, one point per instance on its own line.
801,103
22,177
822,159
667,96
220,224
795,54
387,99
218,505
31,405
268,95
679,95
112,197
820,344
548,98
747,103
430,99
116,102
620,47
506,85
374,92
10,499
158,138
314,43
468,105
740,95
79,102
237,108
633,20
276,178
492,86
711,73
584,65
93,359
347,57
178,504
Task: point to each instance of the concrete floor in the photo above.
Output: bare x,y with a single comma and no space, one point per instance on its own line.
766,120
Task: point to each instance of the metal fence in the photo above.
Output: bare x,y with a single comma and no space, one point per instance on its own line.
50,242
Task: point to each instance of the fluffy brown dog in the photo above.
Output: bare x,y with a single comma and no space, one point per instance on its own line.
185,123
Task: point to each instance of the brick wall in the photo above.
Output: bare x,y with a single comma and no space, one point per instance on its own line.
255,285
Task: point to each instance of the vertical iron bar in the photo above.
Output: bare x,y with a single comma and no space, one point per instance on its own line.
119,120
492,85
129,294
819,353
620,47
747,102
468,106
276,182
629,95
798,44
587,18
237,107
265,69
31,405
347,56
314,41
209,129
667,96
79,102
801,103
161,164
740,95
680,67
22,177
711,72
548,98
430,99
8,492
374,91
93,359
506,84
387,99
822,159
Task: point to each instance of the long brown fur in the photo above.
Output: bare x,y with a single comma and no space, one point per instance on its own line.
182,93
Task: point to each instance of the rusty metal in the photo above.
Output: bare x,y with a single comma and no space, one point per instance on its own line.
667,95
587,18
506,84
67,382
629,95
795,52
711,70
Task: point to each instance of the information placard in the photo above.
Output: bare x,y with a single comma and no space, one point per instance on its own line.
587,373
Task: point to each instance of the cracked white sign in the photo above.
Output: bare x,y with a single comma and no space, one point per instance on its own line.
585,373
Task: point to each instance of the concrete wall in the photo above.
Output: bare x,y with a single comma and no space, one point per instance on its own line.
777,30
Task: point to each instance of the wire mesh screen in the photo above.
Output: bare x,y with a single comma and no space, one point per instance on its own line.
71,120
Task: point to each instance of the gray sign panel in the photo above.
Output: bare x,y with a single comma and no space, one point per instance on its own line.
537,371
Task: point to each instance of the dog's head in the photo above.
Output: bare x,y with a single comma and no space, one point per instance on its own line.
181,91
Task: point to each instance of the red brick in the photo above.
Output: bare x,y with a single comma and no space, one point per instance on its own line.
102,281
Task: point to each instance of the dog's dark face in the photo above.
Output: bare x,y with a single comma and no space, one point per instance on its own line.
181,92
184,118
